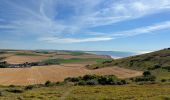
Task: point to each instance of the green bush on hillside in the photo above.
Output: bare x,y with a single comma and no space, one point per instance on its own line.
96,80
146,73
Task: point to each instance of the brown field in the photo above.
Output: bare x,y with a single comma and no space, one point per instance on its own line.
37,75
22,59
16,59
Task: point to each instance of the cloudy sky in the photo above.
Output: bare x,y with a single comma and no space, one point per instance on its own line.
125,25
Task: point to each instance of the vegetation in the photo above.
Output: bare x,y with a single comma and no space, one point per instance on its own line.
96,80
4,64
104,92
27,54
77,53
150,61
101,64
71,60
158,63
50,62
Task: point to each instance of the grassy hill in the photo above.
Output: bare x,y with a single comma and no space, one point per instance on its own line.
151,60
157,62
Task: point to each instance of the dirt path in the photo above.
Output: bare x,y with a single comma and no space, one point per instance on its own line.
37,75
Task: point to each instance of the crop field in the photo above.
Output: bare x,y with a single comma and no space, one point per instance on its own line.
37,75
17,57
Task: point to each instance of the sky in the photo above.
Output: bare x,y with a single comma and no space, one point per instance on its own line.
104,25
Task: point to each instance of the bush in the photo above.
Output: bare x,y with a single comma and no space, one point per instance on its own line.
154,67
167,68
48,83
1,93
163,80
11,85
89,77
102,80
123,81
72,79
4,64
144,78
15,90
82,82
92,82
29,87
146,73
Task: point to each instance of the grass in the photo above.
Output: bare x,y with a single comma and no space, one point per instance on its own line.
26,54
124,92
143,62
44,93
77,53
73,60
128,92
161,74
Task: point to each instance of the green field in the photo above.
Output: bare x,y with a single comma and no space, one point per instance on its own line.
27,54
73,60
124,92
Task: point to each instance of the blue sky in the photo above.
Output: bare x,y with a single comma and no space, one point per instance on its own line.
118,25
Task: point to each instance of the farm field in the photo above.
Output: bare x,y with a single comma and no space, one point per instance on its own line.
55,73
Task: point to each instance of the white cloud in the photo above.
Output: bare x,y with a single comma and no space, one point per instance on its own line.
133,32
72,40
42,17
143,30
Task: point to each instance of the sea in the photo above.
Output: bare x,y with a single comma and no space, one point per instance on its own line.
114,54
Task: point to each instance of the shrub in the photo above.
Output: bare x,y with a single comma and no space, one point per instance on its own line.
29,87
89,77
48,83
60,83
144,78
154,67
72,79
107,80
4,64
82,82
15,90
123,82
146,73
102,80
163,80
167,67
1,93
11,85
92,82
119,83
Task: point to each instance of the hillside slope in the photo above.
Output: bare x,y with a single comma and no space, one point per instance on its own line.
157,62
151,60
140,62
